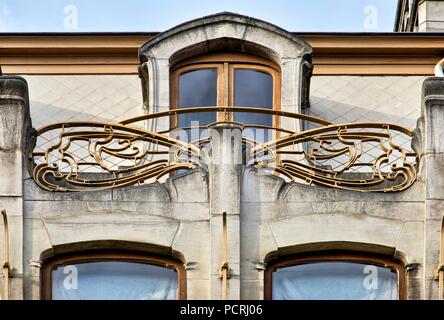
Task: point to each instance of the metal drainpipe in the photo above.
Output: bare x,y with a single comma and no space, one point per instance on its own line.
224,270
6,264
439,273
439,72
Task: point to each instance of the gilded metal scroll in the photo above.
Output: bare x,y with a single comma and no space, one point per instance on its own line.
105,146
389,168
84,156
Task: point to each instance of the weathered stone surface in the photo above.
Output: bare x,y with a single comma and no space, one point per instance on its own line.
430,16
220,25
433,113
153,192
265,211
146,229
33,192
31,288
411,241
266,217
338,227
299,193
11,181
198,289
188,241
415,283
434,209
192,187
257,241
259,186
37,240
252,290
15,130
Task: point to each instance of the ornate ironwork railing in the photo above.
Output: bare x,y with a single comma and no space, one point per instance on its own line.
81,156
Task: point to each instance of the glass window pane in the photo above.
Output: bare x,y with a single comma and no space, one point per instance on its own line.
197,88
335,281
113,280
254,88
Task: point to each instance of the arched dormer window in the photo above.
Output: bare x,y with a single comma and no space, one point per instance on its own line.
335,275
232,80
233,55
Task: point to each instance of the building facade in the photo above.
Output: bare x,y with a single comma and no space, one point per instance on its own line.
419,16
228,159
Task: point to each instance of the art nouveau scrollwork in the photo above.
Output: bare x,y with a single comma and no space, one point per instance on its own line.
113,156
364,157
83,156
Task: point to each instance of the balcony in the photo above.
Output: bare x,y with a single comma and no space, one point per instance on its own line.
88,156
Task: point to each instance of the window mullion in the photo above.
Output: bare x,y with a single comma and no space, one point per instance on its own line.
227,116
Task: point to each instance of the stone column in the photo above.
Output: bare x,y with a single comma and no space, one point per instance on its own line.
433,114
430,16
225,167
14,127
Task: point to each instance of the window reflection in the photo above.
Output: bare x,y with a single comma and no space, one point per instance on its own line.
335,281
253,88
197,88
114,280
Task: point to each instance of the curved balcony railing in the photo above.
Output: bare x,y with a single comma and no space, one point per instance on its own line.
83,156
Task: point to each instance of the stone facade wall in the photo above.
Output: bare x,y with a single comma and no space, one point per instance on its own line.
430,16
419,16
339,99
171,219
346,99
433,152
273,218
267,217
62,98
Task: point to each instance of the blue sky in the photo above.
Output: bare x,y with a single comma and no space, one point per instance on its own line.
159,15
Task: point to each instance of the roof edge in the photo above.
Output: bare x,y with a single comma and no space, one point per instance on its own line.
218,18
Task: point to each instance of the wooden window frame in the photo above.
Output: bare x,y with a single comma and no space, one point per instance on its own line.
119,256
276,88
336,256
226,63
193,67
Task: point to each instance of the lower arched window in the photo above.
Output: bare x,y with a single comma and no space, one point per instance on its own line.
112,276
335,276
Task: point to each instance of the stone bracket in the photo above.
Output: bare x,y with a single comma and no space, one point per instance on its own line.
438,270
225,270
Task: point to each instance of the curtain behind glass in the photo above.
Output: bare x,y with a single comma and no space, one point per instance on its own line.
112,280
334,281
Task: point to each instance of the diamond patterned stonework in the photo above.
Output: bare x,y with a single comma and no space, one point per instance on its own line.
64,98
339,99
342,99
345,99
